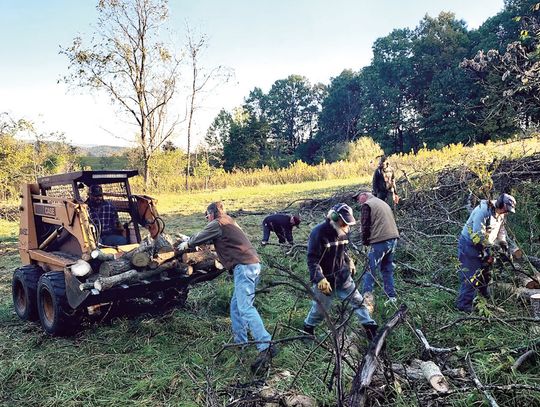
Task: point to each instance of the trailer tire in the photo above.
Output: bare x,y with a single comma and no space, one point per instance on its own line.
56,316
24,291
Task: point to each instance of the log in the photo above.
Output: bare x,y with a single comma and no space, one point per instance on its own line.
414,372
535,305
162,242
100,256
198,257
114,267
86,286
433,375
170,265
146,246
520,292
151,252
104,283
528,282
208,265
164,254
140,259
81,268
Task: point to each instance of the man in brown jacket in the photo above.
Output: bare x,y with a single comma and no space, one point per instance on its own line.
237,254
379,231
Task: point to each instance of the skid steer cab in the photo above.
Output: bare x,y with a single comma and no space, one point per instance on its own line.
64,258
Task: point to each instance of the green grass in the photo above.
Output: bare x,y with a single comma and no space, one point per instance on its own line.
169,358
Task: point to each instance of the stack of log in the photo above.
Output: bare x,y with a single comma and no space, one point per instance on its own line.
153,257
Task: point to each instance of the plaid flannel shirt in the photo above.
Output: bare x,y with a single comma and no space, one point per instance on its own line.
104,217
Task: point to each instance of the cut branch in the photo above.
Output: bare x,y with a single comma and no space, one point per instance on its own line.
364,375
492,402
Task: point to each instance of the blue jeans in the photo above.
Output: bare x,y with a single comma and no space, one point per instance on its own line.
381,256
266,234
469,257
347,291
113,240
244,315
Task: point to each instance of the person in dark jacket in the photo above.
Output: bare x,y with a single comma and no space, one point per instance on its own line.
236,253
384,183
331,270
282,225
380,233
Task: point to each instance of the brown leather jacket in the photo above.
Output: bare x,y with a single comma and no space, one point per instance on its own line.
231,243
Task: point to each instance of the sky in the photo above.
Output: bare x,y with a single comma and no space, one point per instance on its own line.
261,41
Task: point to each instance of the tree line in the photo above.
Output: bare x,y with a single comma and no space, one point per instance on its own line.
436,84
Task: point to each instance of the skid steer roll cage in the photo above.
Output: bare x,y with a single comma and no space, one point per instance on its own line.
77,183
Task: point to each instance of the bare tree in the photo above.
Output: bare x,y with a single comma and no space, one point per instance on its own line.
126,59
201,82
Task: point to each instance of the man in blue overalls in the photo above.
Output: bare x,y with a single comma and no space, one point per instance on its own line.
484,229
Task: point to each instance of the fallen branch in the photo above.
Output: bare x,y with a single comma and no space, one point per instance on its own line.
478,383
430,285
431,349
465,389
529,355
472,318
364,374
273,341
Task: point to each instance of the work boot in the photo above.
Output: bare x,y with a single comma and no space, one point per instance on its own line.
391,301
263,358
309,329
371,331
369,302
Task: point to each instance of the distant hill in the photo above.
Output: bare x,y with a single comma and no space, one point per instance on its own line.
100,151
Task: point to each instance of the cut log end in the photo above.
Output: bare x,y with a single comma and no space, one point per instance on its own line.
434,376
141,259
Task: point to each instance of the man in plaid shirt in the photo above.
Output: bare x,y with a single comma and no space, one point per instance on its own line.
104,217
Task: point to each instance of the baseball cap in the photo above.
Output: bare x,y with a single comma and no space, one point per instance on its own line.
345,213
509,202
95,190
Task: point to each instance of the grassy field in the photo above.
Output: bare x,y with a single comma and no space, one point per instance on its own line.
170,358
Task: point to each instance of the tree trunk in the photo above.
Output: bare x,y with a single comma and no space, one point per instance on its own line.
146,174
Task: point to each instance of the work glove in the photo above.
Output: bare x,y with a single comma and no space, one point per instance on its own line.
352,267
183,246
324,287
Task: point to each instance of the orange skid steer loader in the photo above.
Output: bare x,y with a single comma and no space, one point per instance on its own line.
58,242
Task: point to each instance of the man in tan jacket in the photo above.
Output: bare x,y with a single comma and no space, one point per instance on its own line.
380,233
237,254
